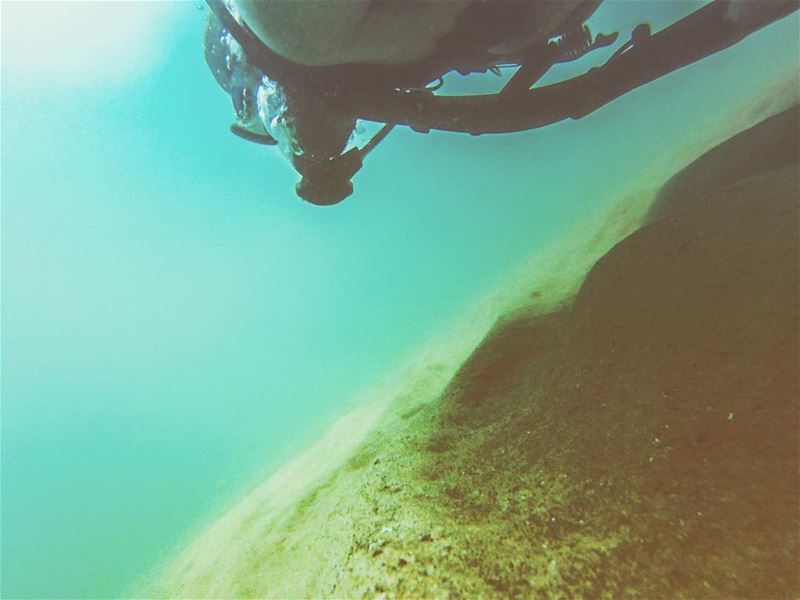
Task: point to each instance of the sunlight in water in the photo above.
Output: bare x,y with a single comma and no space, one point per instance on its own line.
84,43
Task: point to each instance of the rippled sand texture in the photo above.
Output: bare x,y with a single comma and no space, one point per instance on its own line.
641,440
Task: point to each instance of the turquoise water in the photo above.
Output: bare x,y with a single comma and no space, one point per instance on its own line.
176,324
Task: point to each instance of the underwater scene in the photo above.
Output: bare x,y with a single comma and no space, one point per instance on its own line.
385,299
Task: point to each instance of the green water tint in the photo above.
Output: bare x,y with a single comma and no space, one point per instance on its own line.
638,441
177,325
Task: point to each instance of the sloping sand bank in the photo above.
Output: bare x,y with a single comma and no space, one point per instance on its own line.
642,441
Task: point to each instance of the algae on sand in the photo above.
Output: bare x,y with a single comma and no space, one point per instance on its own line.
641,441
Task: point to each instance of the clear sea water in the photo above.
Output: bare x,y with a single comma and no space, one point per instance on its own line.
176,323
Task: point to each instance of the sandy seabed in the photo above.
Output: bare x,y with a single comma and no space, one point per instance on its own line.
636,438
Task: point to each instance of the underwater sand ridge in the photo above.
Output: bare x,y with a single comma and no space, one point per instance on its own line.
226,558
641,441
